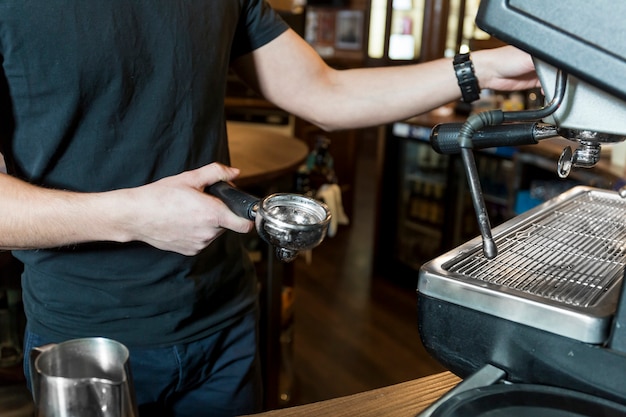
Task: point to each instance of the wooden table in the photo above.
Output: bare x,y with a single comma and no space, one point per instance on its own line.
401,400
263,153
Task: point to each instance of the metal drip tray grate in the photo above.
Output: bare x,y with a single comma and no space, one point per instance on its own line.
557,267
571,255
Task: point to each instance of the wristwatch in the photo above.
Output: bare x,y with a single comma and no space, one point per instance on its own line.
466,77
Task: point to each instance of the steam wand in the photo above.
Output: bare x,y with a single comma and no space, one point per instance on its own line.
476,122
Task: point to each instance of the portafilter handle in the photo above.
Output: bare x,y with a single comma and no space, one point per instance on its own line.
238,201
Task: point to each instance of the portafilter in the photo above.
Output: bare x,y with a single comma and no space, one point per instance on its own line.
289,222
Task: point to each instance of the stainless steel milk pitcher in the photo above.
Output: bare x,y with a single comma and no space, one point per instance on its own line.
87,377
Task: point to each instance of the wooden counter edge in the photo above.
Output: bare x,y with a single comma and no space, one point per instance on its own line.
406,399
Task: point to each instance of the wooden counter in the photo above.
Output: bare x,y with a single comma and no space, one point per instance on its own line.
401,400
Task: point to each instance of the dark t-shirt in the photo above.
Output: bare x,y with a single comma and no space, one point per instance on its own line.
101,95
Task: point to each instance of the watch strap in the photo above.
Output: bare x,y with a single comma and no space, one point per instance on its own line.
468,83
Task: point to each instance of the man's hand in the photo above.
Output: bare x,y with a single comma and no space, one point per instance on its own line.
506,69
175,213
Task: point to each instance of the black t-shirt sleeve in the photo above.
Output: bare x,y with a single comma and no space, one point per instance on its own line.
258,25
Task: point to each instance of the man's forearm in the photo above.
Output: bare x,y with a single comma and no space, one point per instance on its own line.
288,72
34,217
374,96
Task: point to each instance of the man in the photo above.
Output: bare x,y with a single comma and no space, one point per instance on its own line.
111,124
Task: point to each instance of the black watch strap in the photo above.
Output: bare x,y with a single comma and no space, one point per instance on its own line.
466,77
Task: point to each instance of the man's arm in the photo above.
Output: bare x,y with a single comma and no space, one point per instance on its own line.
171,214
289,73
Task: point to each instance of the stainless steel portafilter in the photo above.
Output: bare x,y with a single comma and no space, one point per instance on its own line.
289,222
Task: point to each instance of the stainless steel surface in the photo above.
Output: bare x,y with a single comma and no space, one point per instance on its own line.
584,106
587,115
589,147
559,267
87,377
292,223
289,222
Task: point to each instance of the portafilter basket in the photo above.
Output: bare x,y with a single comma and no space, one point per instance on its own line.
289,222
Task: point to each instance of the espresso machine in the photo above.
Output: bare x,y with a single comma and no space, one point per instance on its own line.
532,314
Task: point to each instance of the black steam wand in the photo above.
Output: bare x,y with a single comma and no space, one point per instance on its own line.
478,121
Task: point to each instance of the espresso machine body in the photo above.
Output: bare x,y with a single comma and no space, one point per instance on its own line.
544,310
549,309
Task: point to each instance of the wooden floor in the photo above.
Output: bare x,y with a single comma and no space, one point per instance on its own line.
352,331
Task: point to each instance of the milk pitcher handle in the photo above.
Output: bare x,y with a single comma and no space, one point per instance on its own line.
35,377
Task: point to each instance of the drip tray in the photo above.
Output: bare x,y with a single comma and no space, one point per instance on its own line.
559,267
486,393
526,400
